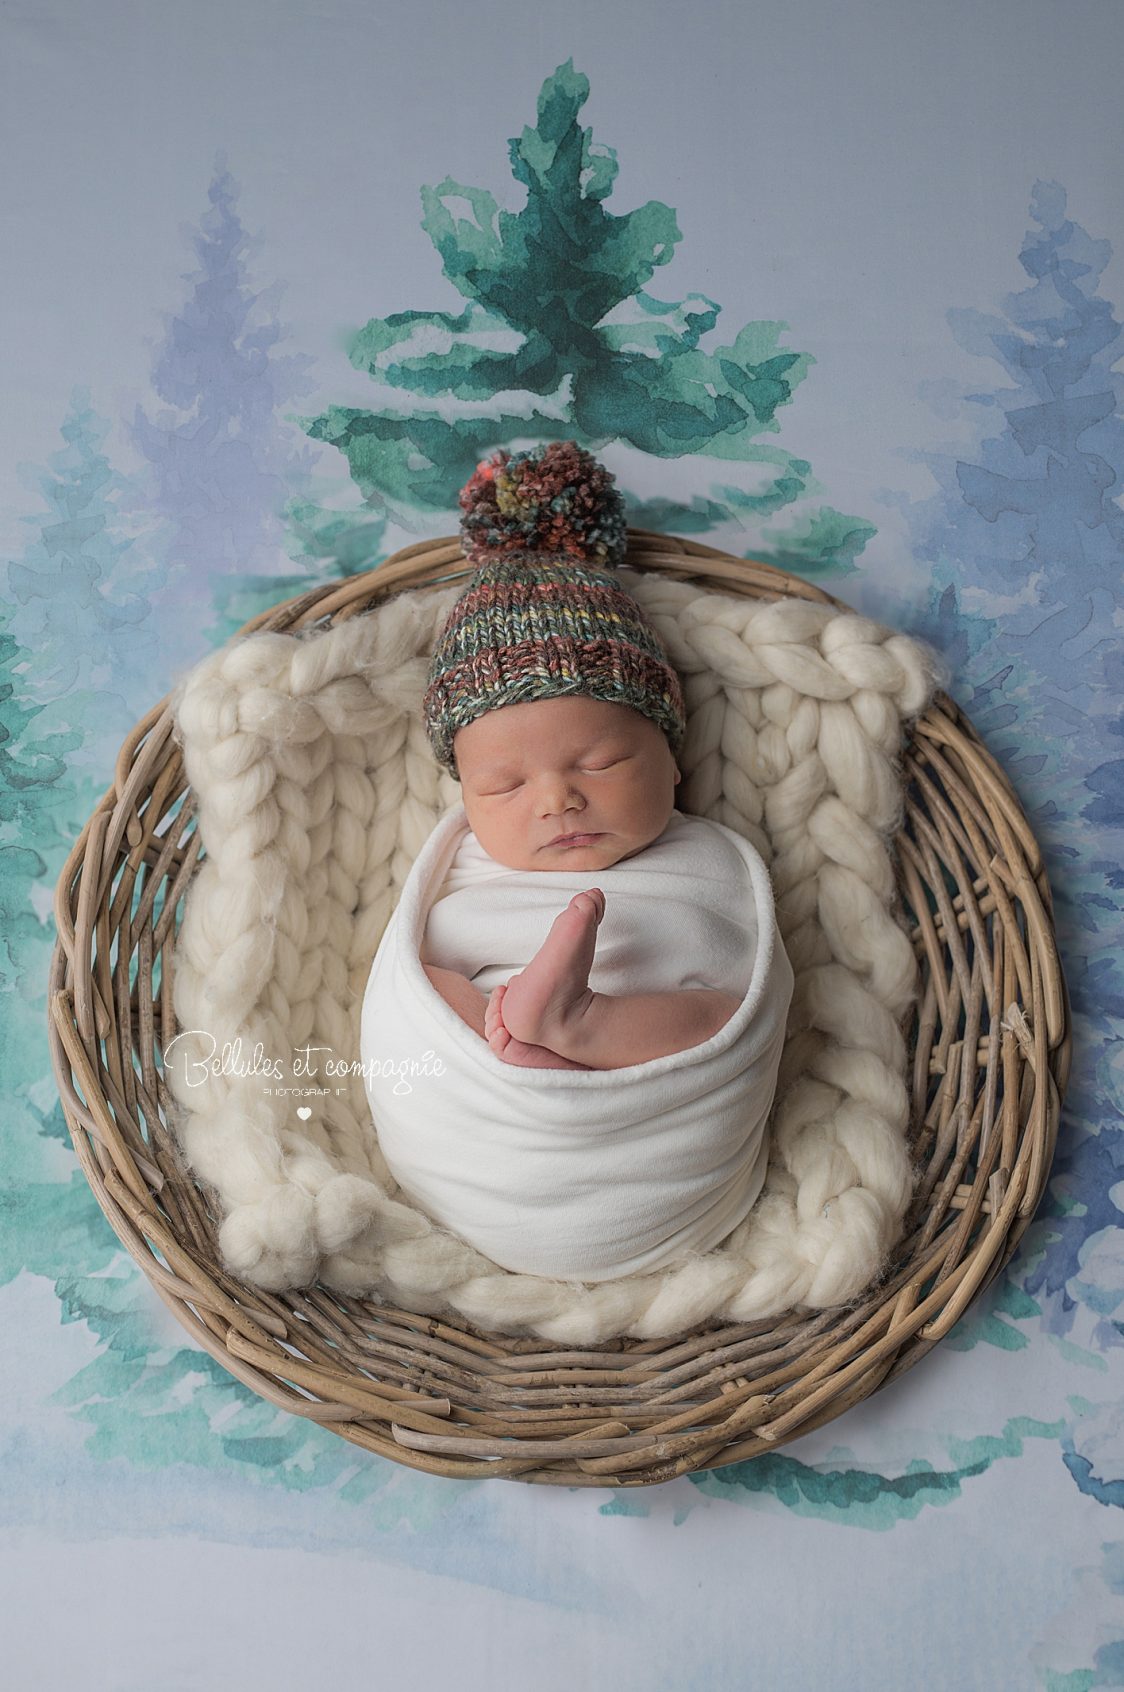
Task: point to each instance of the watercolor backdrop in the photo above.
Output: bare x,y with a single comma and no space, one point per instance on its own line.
841,286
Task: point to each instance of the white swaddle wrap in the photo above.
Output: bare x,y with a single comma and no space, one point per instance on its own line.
579,1174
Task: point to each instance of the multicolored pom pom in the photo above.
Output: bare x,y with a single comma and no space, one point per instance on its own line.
545,615
554,498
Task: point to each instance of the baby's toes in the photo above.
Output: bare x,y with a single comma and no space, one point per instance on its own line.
590,903
499,1039
495,1033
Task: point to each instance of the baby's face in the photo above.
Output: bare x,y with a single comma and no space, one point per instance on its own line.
571,766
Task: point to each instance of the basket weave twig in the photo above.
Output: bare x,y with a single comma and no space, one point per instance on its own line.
990,1043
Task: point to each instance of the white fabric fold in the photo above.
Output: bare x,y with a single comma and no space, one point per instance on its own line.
588,1175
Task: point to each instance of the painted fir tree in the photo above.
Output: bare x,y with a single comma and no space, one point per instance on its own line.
43,803
1024,544
560,338
224,464
28,759
82,595
1024,541
1030,528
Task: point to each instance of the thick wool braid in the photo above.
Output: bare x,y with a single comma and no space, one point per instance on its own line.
313,776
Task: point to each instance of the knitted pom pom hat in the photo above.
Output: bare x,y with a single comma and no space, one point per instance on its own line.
545,614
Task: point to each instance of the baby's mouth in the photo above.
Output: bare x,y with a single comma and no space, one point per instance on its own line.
575,839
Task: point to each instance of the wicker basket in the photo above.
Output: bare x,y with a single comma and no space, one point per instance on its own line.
990,1043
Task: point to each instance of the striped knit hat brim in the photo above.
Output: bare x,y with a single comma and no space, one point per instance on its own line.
540,626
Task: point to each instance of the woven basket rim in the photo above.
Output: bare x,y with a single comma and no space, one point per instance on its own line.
449,1398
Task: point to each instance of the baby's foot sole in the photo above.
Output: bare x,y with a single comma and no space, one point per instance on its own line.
545,996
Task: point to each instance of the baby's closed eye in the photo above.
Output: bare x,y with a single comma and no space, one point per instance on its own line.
501,786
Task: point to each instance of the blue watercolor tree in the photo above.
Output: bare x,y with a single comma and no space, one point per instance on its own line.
1024,542
1025,536
225,466
559,337
1033,530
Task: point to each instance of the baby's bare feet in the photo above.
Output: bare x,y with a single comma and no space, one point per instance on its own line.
544,1003
511,1050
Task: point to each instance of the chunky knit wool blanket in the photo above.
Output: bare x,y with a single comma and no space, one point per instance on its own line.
316,788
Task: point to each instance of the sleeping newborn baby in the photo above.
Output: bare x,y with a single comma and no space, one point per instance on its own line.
573,784
596,975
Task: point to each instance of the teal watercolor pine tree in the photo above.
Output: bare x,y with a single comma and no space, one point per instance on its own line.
28,761
144,1396
83,596
79,663
74,615
38,804
43,801
560,338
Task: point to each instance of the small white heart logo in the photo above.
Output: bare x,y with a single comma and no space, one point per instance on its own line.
304,1112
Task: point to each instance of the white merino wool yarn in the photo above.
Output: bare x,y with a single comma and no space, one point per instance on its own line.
315,789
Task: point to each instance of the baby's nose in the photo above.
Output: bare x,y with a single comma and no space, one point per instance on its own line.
558,794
